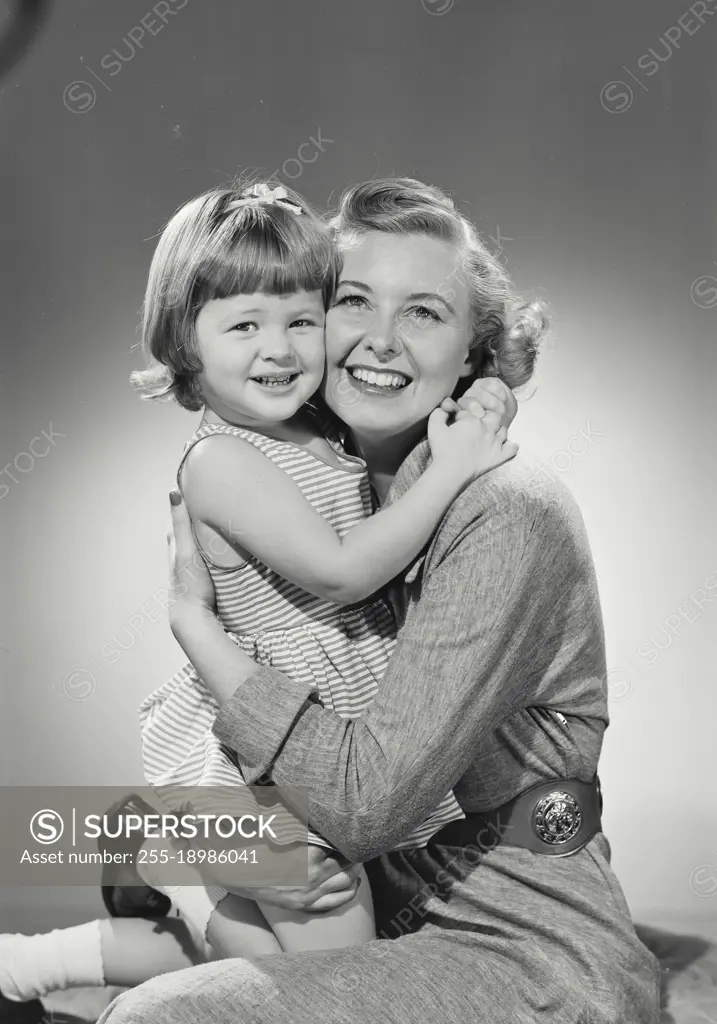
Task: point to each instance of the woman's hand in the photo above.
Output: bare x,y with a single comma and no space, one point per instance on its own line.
333,882
190,584
487,396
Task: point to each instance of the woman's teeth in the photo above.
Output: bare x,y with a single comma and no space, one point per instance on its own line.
380,379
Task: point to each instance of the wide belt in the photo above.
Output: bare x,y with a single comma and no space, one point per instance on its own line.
554,818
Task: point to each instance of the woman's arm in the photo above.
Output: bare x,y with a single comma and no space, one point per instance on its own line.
253,504
475,647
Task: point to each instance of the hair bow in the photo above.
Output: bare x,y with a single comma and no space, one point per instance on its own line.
265,194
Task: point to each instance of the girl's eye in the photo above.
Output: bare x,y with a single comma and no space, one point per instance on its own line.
352,301
303,322
424,313
245,326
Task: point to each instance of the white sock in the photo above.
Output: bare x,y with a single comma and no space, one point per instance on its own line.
196,903
206,950
33,965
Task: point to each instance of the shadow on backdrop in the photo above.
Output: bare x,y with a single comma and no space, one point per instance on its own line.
21,22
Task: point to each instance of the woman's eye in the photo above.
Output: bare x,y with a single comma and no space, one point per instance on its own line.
352,301
245,326
424,313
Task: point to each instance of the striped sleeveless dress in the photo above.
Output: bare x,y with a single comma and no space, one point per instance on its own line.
340,651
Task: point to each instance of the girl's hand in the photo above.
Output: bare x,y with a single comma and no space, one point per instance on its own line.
486,395
468,447
189,581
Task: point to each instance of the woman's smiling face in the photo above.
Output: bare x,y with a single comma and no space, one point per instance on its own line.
398,332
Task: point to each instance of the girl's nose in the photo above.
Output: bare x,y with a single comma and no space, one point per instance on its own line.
276,346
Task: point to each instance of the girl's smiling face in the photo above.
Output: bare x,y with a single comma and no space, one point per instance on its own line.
263,355
398,332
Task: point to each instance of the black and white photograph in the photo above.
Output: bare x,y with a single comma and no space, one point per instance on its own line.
358,512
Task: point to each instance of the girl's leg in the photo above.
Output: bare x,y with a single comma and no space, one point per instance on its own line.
242,928
350,925
235,927
238,928
118,951
135,949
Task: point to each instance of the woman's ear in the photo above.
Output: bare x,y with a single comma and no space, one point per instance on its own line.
472,363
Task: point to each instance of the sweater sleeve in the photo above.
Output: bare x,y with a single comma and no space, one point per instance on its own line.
468,656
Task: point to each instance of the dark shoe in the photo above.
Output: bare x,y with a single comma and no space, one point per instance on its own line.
31,1012
124,892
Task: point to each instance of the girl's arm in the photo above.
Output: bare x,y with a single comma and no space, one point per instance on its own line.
508,617
236,490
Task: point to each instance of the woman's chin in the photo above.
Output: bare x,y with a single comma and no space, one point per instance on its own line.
366,407
381,420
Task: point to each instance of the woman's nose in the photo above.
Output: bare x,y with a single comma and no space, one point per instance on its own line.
383,338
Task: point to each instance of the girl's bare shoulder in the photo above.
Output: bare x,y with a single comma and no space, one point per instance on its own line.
216,460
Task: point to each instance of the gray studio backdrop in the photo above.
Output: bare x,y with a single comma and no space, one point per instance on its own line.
579,137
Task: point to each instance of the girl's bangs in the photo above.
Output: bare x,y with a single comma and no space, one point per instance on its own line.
262,260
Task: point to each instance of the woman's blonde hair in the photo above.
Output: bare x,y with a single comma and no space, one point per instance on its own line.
506,330
232,240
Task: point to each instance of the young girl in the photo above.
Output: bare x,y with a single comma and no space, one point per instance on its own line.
234,320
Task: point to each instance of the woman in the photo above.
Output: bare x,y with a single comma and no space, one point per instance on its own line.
497,689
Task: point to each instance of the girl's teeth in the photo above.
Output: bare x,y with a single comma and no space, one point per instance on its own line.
274,381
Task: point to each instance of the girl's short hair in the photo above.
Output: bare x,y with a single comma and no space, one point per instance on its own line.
232,240
506,330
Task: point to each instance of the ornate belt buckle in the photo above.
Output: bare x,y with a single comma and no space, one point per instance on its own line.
557,818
